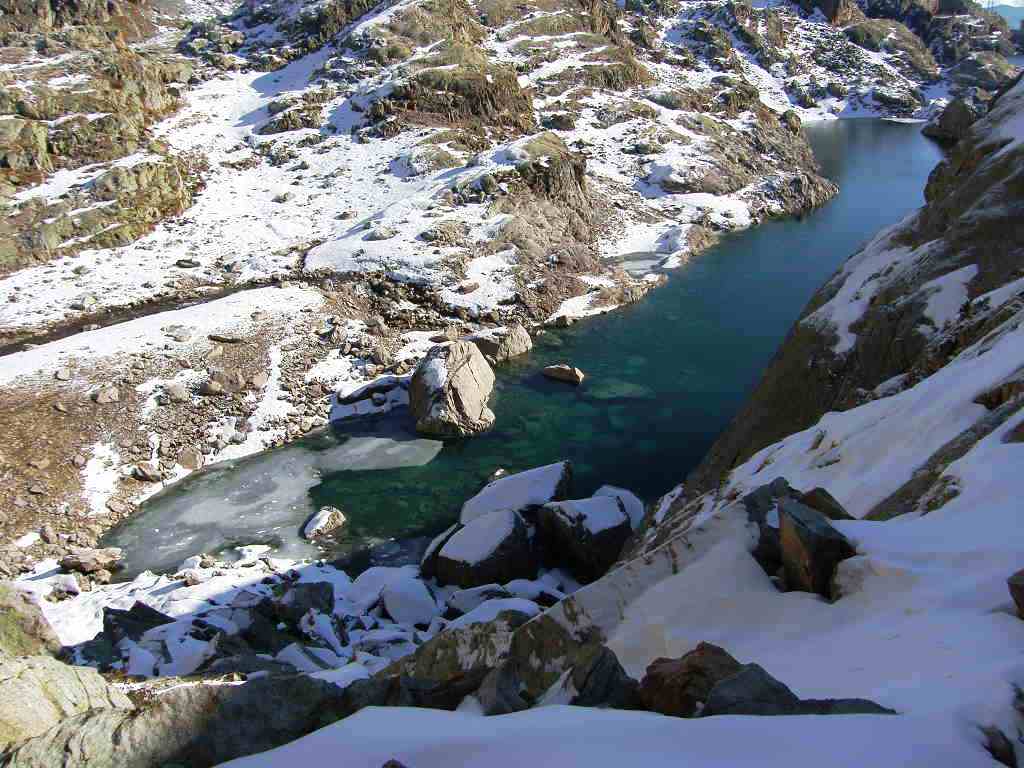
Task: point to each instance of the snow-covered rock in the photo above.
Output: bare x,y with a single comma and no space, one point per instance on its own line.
409,601
585,535
520,491
494,547
323,522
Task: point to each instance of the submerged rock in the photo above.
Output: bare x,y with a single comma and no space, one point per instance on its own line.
323,522
449,391
564,372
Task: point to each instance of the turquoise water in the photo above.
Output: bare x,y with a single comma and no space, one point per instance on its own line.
663,378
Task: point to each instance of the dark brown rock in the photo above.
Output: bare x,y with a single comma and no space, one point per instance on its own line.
679,687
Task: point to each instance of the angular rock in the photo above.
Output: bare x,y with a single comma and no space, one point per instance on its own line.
750,691
449,391
148,472
762,510
586,536
40,691
324,521
522,491
600,681
119,624
680,687
495,547
563,372
465,600
811,548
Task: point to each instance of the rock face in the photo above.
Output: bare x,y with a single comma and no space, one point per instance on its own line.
680,687
494,547
40,691
24,631
586,535
195,725
811,548
449,391
971,221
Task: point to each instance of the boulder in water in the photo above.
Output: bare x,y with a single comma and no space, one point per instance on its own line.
500,344
323,522
449,391
521,491
564,372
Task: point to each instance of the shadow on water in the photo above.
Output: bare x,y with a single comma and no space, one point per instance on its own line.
664,377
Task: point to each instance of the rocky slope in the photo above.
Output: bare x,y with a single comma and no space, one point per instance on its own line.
416,168
757,588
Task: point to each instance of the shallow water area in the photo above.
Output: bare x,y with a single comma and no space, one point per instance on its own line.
663,378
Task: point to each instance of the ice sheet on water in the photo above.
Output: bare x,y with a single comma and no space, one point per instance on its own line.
261,499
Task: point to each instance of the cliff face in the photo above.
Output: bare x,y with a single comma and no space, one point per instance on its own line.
917,297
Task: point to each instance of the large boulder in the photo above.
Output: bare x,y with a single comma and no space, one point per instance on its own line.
585,535
24,631
987,70
449,391
811,548
680,687
500,344
762,506
40,691
495,547
523,491
952,123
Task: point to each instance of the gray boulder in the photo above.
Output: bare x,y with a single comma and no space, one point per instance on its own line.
585,535
811,548
600,681
752,691
493,548
449,391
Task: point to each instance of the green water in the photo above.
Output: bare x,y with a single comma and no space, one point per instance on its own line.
663,378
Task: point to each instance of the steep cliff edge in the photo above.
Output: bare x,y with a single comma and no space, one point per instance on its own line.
917,296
